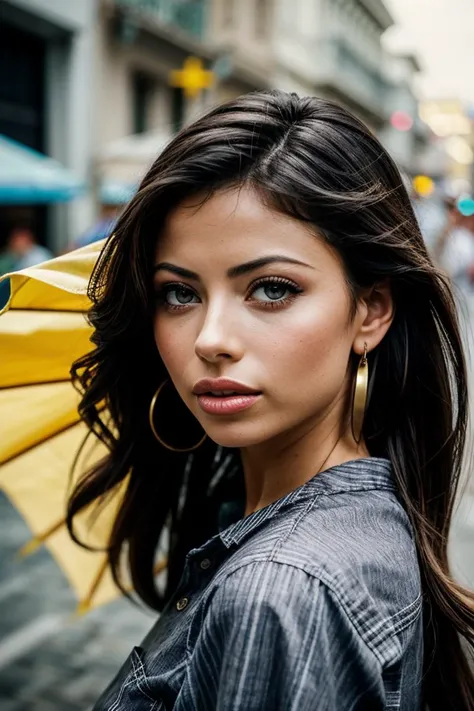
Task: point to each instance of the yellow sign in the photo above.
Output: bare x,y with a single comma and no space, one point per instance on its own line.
423,185
192,78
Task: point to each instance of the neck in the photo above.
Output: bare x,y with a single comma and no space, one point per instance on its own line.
277,467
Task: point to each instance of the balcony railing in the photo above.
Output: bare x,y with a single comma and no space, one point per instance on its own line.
186,15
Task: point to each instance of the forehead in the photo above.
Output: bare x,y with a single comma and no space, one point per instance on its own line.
234,226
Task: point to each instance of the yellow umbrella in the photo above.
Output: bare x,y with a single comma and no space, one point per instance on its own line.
43,330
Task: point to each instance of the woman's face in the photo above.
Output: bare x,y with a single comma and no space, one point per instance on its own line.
248,294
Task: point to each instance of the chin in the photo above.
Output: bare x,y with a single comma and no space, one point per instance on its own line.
236,435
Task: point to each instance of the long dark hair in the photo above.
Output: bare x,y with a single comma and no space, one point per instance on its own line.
314,161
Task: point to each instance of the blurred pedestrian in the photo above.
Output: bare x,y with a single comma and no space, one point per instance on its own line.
7,261
432,215
287,395
100,229
23,250
454,248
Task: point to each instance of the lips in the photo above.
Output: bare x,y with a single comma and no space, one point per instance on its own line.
222,396
222,393
222,387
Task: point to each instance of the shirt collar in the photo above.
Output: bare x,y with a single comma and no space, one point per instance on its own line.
357,475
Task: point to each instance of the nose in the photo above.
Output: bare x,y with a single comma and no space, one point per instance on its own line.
218,338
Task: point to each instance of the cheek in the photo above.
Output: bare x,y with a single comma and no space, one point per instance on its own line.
171,344
315,344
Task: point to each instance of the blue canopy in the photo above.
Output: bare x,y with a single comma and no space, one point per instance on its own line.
113,192
27,176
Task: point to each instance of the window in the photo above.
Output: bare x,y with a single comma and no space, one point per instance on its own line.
141,89
22,72
177,108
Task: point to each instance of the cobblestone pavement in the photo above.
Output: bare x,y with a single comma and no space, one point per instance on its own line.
51,660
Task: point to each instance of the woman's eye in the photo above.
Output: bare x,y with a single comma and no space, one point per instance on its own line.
271,292
274,291
179,296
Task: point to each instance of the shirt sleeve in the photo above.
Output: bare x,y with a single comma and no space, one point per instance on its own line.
275,638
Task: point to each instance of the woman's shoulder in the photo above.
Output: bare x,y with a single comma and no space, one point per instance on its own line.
366,531
351,536
284,596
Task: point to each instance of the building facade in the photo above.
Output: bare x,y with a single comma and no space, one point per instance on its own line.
451,121
332,48
101,99
408,138
140,42
46,97
241,33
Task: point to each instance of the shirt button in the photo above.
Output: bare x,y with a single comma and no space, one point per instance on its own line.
205,564
181,604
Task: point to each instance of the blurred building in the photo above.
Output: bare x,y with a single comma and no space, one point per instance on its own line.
333,48
405,135
241,34
453,125
88,82
139,43
46,65
329,48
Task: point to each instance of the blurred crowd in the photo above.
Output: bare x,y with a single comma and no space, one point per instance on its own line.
24,250
447,226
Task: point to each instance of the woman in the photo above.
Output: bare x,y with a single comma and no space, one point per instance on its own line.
269,267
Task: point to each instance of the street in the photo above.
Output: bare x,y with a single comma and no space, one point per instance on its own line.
51,660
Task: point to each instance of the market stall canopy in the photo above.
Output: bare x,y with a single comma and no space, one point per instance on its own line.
29,177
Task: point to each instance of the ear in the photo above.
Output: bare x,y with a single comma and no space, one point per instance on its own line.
374,316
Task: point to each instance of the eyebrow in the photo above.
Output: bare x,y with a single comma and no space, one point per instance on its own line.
233,272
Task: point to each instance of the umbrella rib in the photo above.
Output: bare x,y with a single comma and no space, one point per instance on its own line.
48,311
32,384
86,603
35,444
38,540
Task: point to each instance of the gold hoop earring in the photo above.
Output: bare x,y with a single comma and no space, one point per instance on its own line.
153,428
360,396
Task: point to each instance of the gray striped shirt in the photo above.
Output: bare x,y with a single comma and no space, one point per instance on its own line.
310,604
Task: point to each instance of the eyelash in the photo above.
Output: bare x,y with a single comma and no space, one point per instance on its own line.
263,281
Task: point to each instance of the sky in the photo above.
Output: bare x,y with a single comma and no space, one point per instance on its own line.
441,34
